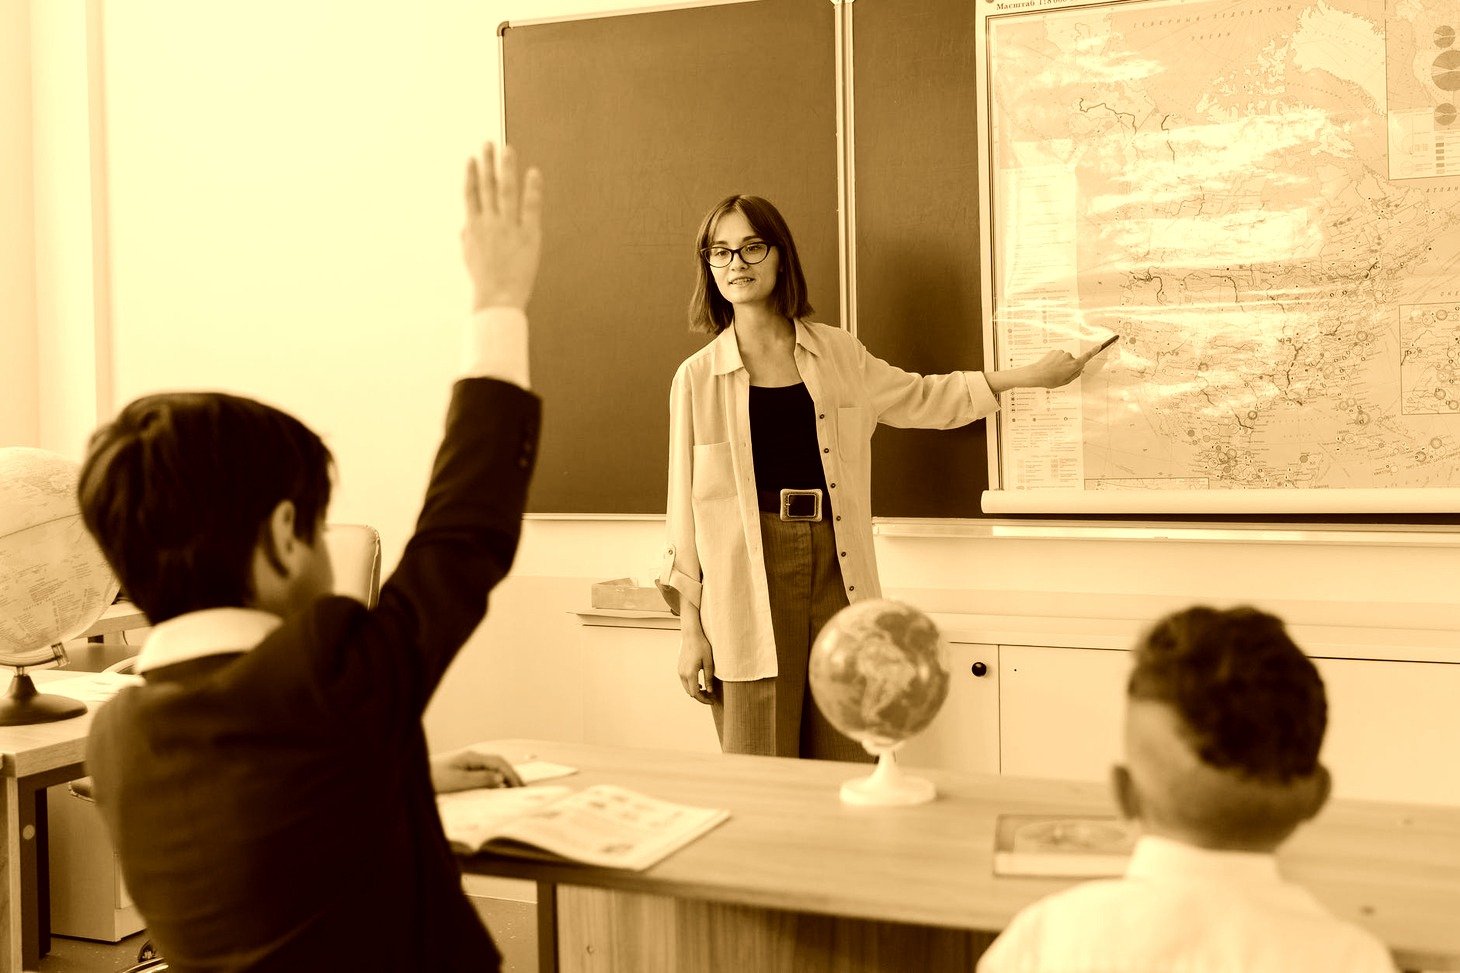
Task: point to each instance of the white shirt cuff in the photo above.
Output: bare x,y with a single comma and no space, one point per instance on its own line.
985,402
496,345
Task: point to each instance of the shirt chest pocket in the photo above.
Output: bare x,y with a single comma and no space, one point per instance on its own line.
714,472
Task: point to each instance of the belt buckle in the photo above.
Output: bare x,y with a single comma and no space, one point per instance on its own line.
788,495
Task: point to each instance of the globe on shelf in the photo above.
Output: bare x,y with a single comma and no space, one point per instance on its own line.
879,673
54,581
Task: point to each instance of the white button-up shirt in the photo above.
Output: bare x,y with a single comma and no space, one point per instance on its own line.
1182,909
714,558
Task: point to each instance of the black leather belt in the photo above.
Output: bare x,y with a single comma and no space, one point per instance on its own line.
793,504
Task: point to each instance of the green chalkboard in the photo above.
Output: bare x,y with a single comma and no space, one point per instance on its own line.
640,123
916,190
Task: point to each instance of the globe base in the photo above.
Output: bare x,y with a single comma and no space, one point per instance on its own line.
888,786
23,705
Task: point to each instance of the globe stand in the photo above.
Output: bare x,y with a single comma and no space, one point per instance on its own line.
23,704
887,786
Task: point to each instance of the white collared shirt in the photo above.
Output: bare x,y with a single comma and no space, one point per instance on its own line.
199,634
496,345
1183,909
713,559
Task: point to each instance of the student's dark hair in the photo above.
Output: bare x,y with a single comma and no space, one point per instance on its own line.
708,310
1251,702
179,488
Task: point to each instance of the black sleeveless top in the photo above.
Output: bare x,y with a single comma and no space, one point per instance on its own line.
783,439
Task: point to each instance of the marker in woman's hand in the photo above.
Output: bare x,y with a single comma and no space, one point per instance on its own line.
1088,356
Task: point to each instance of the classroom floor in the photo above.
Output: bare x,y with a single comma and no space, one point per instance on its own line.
69,955
501,904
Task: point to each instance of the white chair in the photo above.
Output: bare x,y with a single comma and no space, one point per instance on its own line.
354,555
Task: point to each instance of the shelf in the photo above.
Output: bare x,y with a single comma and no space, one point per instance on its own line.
622,618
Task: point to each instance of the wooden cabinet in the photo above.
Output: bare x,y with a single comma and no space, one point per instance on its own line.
632,698
1060,711
88,896
1053,711
965,734
1393,727
631,692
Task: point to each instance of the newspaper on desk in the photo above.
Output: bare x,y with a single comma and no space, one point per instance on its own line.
604,825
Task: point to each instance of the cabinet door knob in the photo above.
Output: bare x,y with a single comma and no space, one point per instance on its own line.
979,669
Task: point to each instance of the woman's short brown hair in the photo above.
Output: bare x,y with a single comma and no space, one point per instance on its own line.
708,310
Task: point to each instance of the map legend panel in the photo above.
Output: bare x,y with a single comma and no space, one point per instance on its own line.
1419,147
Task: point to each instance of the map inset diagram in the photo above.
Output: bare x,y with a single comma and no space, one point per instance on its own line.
1430,373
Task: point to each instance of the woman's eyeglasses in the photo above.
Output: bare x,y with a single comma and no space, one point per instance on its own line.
751,253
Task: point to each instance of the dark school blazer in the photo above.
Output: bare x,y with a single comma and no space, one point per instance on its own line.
272,809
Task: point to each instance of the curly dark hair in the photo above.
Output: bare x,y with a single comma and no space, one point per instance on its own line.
1250,700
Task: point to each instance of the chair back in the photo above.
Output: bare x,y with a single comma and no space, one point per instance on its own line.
355,555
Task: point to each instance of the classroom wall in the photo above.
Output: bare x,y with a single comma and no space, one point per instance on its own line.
285,199
284,202
19,361
65,227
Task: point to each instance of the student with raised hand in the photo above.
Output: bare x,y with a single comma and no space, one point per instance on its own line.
769,513
268,788
1224,720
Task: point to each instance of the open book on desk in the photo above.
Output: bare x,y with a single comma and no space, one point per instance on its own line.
1063,845
92,688
601,825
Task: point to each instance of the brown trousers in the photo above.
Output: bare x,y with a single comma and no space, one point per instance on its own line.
777,716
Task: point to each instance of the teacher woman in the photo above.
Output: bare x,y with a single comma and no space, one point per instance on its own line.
769,515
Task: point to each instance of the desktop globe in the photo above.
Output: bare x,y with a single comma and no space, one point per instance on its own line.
879,674
54,581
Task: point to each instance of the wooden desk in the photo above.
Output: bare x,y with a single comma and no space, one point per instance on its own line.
32,758
796,881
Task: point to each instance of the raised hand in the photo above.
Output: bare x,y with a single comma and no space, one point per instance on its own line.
502,238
